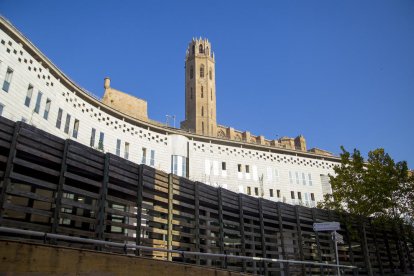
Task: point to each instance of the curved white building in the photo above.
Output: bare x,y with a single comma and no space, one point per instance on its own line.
34,90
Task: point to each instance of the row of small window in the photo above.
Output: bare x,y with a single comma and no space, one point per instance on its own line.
37,107
201,93
210,73
279,195
76,123
294,178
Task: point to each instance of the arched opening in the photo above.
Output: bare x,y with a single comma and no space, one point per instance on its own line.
193,49
200,49
202,71
202,92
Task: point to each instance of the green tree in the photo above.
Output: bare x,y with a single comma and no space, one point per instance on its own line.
377,187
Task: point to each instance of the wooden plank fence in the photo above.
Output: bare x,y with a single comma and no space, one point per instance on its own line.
60,186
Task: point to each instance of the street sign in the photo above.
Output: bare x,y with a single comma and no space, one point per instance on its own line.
339,238
326,226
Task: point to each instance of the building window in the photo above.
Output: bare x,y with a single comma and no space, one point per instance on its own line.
297,178
200,49
271,192
101,141
67,124
211,94
239,167
278,193
299,195
202,127
303,179
277,175
47,109
28,96
144,156
59,118
38,101
290,177
256,191
223,166
7,79
1,109
202,111
118,147
249,190
179,165
193,49
292,194
75,128
191,72
312,196
126,150
202,71
152,160
310,179
210,74
202,92
92,141
247,169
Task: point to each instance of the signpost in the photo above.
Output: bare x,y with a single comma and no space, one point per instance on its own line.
332,227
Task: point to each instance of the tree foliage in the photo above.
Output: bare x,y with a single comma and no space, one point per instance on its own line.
376,187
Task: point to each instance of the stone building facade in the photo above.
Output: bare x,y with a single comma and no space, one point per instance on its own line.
34,90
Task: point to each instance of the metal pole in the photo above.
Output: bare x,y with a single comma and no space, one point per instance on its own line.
336,253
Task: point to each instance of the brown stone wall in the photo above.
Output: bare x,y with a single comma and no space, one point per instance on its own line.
21,258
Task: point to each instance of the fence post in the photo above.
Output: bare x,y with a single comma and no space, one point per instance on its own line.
102,200
221,224
243,241
170,216
59,192
282,242
318,244
262,233
197,219
365,248
9,168
300,240
138,202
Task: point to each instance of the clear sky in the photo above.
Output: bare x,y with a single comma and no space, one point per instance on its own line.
338,72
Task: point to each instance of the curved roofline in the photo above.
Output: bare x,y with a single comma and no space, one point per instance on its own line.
151,125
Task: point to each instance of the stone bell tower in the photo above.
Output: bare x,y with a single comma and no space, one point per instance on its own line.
200,89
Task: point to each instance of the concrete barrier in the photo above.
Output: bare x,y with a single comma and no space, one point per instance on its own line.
23,258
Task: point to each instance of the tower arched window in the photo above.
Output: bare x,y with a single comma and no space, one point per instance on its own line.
202,127
211,94
210,74
202,71
202,111
191,72
200,49
202,92
193,49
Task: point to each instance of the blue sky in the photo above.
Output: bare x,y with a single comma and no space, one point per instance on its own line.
338,72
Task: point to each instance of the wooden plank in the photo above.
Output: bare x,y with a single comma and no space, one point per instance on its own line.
139,208
36,167
197,220
32,180
262,234
242,234
103,192
59,191
170,216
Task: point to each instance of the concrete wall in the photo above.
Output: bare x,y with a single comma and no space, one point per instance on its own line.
21,258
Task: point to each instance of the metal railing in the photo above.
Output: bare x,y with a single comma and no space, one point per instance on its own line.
131,246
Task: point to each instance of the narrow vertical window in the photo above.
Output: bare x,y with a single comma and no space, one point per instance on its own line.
47,109
211,94
271,192
59,118
67,124
193,49
1,109
312,196
200,49
144,156
202,127
249,191
92,140
202,71
299,195
256,191
7,79
38,101
28,96
210,74
223,166
292,194
310,179
239,167
75,128
247,169
126,150
202,111
101,141
191,72
202,92
303,179
278,193
297,177
152,160
118,147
